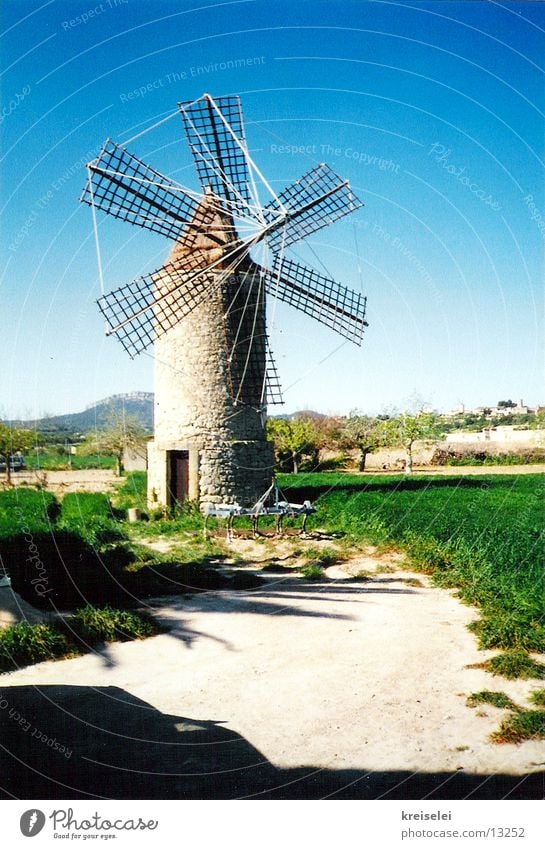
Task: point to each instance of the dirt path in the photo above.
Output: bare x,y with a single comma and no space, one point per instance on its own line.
294,690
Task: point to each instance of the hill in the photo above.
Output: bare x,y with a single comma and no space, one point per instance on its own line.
138,405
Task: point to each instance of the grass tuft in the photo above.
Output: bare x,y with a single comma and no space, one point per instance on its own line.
23,644
313,572
526,725
491,697
538,698
106,624
515,664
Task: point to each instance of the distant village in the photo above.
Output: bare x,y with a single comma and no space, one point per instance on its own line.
502,409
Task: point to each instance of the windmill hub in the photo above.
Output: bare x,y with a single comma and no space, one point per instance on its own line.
204,310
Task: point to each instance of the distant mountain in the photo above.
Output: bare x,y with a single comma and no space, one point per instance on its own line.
299,414
137,405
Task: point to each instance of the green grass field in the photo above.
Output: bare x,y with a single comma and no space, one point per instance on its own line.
51,462
481,534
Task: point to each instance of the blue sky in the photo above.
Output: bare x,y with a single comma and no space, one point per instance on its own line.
433,111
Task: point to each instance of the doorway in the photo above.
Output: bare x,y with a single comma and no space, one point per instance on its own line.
178,477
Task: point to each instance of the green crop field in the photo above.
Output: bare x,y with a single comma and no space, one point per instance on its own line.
481,534
49,462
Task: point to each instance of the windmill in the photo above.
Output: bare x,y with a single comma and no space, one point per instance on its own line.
204,310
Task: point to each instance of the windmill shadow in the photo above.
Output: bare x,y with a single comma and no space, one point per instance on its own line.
104,743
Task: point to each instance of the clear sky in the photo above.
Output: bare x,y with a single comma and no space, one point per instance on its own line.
434,111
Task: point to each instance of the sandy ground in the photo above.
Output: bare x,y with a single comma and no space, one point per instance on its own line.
355,689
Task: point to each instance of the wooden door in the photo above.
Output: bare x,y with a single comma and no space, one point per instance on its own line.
178,476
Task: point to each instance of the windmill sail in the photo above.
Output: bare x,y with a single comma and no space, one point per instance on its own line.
126,188
215,135
210,257
314,201
320,297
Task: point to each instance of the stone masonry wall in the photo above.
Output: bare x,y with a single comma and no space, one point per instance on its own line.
200,364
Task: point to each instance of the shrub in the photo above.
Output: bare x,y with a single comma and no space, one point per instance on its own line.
106,624
132,492
22,644
472,456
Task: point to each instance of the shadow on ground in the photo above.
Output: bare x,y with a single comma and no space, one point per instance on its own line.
312,492
119,747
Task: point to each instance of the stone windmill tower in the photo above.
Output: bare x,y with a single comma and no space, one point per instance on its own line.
204,310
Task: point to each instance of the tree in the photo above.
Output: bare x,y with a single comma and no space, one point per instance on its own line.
14,439
328,431
538,420
506,404
293,438
364,433
408,428
122,432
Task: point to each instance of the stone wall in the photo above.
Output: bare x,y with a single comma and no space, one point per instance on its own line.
209,373
219,473
504,437
235,472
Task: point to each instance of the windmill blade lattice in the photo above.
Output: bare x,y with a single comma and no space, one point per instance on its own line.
150,306
215,135
127,188
320,297
209,255
316,200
